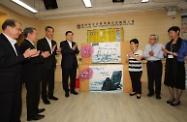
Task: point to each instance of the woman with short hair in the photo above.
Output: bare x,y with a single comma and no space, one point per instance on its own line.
134,57
175,51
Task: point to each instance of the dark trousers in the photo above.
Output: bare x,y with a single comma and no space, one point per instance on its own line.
33,98
136,83
10,106
154,73
66,73
48,80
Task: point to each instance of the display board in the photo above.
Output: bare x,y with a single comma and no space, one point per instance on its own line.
105,35
109,52
87,63
106,78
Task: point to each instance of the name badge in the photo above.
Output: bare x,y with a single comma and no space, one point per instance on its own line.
170,56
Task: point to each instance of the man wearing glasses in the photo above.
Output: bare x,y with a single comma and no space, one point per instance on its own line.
10,71
154,54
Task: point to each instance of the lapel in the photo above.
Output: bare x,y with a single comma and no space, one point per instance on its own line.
68,44
6,41
30,45
47,45
53,43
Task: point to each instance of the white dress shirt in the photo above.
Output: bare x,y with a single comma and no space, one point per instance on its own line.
157,50
70,43
49,42
12,42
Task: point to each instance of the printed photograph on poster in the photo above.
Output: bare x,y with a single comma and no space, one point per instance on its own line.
108,52
107,78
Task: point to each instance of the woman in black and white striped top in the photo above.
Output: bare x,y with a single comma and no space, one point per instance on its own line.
134,57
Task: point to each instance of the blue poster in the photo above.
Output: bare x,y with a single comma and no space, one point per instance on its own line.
107,78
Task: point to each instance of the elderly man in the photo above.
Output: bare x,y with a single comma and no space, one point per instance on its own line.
10,71
153,53
32,74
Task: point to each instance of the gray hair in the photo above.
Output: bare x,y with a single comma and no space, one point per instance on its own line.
156,36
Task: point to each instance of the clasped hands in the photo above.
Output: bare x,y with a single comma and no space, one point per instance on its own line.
54,47
169,52
29,53
130,54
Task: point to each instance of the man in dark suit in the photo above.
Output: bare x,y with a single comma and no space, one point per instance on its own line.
10,71
48,67
69,64
31,75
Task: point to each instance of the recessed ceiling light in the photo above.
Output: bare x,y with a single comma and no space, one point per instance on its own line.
145,1
24,5
87,3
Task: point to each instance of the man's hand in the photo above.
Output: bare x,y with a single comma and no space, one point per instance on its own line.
151,53
58,50
37,54
29,52
45,54
74,47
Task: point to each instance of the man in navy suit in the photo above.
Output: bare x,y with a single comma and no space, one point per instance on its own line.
10,71
69,64
32,74
48,67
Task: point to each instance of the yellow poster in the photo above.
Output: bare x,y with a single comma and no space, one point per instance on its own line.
105,35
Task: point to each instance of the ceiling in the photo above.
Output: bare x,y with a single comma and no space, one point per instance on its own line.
74,8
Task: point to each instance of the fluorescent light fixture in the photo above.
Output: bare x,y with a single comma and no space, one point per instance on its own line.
87,3
24,5
145,1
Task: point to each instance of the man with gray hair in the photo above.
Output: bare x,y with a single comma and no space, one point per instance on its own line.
154,54
31,75
10,71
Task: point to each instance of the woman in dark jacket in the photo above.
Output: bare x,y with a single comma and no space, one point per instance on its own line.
175,52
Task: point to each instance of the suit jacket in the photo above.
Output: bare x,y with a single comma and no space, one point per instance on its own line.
69,59
31,67
10,66
49,62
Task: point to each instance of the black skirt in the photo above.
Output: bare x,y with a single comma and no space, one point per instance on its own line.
175,73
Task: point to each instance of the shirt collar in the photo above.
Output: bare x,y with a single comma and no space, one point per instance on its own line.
48,39
153,45
11,40
69,41
30,42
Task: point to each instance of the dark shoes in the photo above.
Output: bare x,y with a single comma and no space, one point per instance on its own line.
53,98
41,110
74,92
67,94
46,101
158,97
132,94
170,101
150,94
37,117
176,104
138,96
